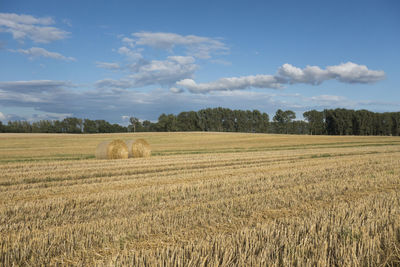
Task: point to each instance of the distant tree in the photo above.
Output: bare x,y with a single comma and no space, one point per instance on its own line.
260,122
241,121
329,121
134,123
338,121
72,125
395,123
188,121
19,127
316,121
282,120
298,127
116,128
90,126
363,122
148,126
43,126
57,126
167,123
203,120
228,120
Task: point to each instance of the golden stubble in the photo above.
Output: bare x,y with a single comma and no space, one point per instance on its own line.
202,200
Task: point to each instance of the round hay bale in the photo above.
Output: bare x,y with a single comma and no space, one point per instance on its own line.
129,144
138,148
115,149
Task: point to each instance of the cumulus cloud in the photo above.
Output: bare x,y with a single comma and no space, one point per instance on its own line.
128,41
288,74
164,72
131,54
37,52
26,26
310,74
353,73
108,65
197,46
155,72
233,83
346,72
176,90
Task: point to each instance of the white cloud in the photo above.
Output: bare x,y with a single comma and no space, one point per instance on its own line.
128,41
155,72
26,26
36,52
182,60
131,54
221,62
310,74
353,73
108,65
67,22
197,46
175,90
164,72
110,83
346,72
2,116
233,83
25,19
328,98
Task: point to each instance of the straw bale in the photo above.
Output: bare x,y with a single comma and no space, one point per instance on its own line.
138,148
115,149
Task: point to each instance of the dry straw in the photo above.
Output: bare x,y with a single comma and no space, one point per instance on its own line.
138,148
115,149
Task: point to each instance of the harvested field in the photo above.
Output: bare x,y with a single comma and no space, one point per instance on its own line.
202,199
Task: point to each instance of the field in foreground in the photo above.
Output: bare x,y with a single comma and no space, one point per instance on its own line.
203,199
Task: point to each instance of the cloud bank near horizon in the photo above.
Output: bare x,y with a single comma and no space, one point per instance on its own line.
58,99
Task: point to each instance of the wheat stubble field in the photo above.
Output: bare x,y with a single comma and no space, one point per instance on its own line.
202,199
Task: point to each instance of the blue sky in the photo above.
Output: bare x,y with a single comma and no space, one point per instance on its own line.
115,59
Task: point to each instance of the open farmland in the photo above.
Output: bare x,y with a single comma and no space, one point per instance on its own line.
202,199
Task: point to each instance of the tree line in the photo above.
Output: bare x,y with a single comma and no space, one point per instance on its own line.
329,121
67,125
